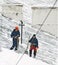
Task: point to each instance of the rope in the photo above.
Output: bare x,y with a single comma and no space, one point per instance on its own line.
38,30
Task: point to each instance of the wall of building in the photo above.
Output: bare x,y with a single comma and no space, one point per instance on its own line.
13,11
51,23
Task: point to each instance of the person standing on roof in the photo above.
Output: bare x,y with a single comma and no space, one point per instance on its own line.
15,35
34,45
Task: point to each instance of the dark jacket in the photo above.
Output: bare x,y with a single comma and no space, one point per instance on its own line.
34,41
15,35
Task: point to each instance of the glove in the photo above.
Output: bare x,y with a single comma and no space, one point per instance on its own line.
37,48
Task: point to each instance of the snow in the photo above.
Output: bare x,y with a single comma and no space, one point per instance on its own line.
45,3
10,57
30,61
48,45
56,62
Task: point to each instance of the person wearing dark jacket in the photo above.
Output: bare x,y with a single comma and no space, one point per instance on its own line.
15,35
34,45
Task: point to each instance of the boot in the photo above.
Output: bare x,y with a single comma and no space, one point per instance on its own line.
15,49
11,48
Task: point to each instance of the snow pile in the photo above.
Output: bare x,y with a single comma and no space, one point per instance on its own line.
48,45
8,57
30,61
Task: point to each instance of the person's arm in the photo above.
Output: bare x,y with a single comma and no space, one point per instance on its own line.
12,34
37,43
18,34
30,40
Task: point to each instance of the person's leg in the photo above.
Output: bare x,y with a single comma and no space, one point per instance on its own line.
30,53
16,45
35,51
12,47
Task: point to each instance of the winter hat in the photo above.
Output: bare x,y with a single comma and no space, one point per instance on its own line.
17,28
34,34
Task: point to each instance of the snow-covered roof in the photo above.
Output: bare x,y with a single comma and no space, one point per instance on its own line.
41,3
10,4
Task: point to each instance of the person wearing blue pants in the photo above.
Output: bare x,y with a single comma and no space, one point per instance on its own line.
15,35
